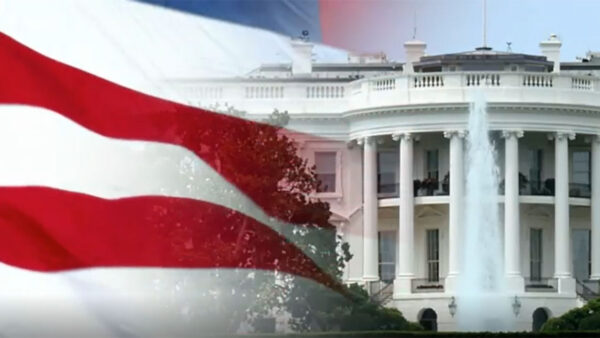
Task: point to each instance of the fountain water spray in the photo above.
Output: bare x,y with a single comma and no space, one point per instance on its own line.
482,300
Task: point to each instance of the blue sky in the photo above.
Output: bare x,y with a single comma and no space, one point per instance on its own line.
456,25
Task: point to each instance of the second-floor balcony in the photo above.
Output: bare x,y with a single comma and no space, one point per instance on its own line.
429,187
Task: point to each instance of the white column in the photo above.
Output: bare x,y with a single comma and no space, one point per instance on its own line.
562,235
595,208
370,240
457,193
512,228
405,272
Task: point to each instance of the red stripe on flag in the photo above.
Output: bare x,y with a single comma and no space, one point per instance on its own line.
115,111
47,229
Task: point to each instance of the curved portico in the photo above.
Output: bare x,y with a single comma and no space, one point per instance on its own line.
566,194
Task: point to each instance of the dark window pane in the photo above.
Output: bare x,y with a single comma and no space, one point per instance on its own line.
325,163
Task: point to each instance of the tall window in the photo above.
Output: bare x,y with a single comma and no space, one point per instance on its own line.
535,171
580,180
325,163
581,247
535,254
387,166
387,255
432,164
433,255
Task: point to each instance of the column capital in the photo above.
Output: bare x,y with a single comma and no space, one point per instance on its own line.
512,133
560,135
405,137
455,133
366,140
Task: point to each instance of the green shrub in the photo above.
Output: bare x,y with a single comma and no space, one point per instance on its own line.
590,323
573,319
555,324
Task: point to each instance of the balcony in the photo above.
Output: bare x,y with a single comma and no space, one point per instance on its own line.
424,285
421,188
580,190
541,285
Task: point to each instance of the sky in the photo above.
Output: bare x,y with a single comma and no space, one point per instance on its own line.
456,25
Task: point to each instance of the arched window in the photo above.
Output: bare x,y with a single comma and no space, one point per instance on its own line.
429,320
540,316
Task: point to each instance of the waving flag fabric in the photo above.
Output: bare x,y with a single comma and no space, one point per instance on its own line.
113,191
72,224
348,24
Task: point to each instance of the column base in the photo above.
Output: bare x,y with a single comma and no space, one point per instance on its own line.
566,285
515,283
402,285
595,277
370,278
451,283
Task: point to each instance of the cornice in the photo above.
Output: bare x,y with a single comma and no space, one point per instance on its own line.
464,106
438,107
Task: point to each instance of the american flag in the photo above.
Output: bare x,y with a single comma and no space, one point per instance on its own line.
119,199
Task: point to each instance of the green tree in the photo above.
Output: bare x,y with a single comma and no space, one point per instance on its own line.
270,163
583,318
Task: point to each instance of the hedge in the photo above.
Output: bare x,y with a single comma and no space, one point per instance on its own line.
404,334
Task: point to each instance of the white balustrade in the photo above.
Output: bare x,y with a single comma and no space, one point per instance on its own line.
428,81
207,92
581,83
537,80
397,89
383,84
482,79
324,92
264,92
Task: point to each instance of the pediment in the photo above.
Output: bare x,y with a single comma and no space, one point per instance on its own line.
428,211
539,211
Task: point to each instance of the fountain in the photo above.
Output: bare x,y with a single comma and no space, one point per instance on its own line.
483,303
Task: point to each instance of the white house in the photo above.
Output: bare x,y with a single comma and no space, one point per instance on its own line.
390,150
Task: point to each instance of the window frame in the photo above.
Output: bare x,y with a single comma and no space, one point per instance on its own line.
428,170
432,254
589,167
537,167
540,261
396,192
337,193
380,263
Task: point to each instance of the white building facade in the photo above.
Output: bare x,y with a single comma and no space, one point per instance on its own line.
389,147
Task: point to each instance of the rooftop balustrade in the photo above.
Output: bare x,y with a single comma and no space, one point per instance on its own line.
330,96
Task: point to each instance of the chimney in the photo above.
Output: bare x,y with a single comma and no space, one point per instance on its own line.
551,50
414,50
301,57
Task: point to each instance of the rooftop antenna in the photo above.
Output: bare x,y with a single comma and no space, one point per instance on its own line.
484,23
508,46
414,25
484,47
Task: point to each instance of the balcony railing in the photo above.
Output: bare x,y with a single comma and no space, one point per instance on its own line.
424,285
541,285
580,190
537,188
528,189
381,291
587,290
